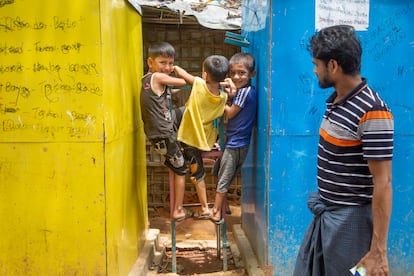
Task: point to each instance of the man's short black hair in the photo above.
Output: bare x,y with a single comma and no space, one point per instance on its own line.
339,43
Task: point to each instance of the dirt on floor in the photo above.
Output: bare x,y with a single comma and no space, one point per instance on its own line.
196,244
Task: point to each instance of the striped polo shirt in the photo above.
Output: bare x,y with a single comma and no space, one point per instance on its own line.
358,128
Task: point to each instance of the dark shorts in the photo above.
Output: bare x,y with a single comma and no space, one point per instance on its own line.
170,147
171,150
193,156
230,165
179,156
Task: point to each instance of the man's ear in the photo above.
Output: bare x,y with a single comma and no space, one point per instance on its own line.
333,65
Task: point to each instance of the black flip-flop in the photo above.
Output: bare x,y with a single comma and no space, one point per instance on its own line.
202,216
188,214
217,222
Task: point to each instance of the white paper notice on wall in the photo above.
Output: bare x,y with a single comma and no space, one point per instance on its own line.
342,12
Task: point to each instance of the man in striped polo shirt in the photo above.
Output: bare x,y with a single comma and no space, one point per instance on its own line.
352,207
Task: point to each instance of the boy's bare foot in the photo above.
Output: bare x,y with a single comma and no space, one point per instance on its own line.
216,217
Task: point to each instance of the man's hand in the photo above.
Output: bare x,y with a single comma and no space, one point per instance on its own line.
375,263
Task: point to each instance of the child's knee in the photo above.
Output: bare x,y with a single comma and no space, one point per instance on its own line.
176,160
176,164
197,173
222,187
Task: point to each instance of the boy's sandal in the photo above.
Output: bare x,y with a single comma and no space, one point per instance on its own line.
217,222
202,216
188,214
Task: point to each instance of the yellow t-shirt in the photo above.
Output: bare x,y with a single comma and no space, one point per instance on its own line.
197,125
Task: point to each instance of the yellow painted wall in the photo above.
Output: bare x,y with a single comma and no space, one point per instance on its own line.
125,140
72,156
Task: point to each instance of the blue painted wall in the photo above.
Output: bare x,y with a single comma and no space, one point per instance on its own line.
255,169
280,170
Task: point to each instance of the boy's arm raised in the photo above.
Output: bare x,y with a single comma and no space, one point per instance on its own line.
181,73
164,79
230,110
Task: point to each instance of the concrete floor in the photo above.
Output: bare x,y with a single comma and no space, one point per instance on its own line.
197,245
159,218
196,248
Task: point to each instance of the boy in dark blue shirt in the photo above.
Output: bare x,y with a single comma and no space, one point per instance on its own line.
241,115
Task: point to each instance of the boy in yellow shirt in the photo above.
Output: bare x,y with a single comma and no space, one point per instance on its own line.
197,132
